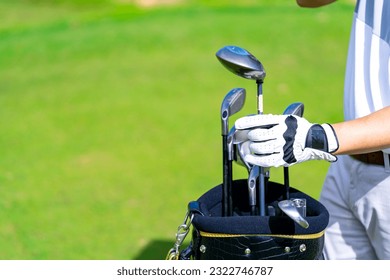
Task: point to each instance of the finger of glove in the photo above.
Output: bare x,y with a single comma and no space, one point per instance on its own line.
266,147
317,154
244,148
265,134
331,158
257,121
273,160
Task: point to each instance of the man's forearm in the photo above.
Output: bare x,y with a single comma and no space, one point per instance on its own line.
314,3
364,135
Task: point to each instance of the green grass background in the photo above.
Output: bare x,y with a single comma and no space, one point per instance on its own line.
109,119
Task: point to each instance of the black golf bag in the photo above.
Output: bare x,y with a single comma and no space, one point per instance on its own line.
247,237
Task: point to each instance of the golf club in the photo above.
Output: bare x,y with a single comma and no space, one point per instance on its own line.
230,151
290,209
231,104
252,182
240,150
293,109
244,64
296,109
241,62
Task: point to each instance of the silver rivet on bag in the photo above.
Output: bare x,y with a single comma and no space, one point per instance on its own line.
247,251
302,248
287,249
202,249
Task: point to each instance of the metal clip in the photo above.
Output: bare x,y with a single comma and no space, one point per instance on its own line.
172,255
181,234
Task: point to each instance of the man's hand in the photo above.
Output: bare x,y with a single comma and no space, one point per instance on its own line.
282,140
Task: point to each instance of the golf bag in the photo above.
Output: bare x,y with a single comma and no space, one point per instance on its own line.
247,237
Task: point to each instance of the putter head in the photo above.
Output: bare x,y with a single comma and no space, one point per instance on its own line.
241,62
296,109
231,104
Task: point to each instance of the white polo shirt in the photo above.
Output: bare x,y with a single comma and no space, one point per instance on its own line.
367,80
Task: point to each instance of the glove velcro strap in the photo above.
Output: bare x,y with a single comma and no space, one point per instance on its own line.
323,138
317,139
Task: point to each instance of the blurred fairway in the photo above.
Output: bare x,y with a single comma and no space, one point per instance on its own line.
109,120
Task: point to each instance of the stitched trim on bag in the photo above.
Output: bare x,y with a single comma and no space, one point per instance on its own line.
297,236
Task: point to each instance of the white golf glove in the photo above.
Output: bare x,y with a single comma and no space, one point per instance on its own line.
284,140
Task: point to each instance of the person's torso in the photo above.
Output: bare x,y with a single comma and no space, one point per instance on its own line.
367,81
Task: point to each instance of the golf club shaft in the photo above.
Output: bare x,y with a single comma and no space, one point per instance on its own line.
226,178
231,104
259,97
230,176
286,183
253,210
262,171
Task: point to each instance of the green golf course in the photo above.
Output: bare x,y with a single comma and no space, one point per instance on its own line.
110,113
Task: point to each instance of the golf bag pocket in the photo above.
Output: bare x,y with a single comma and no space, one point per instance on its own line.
251,237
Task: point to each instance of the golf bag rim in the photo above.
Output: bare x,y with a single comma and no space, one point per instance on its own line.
212,222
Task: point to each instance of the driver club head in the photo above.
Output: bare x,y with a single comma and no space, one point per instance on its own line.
241,62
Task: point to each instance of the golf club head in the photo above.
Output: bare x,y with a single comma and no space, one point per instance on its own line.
240,150
252,178
241,62
289,208
240,136
230,143
296,109
231,104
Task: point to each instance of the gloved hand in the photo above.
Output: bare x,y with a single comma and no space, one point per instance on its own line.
284,140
